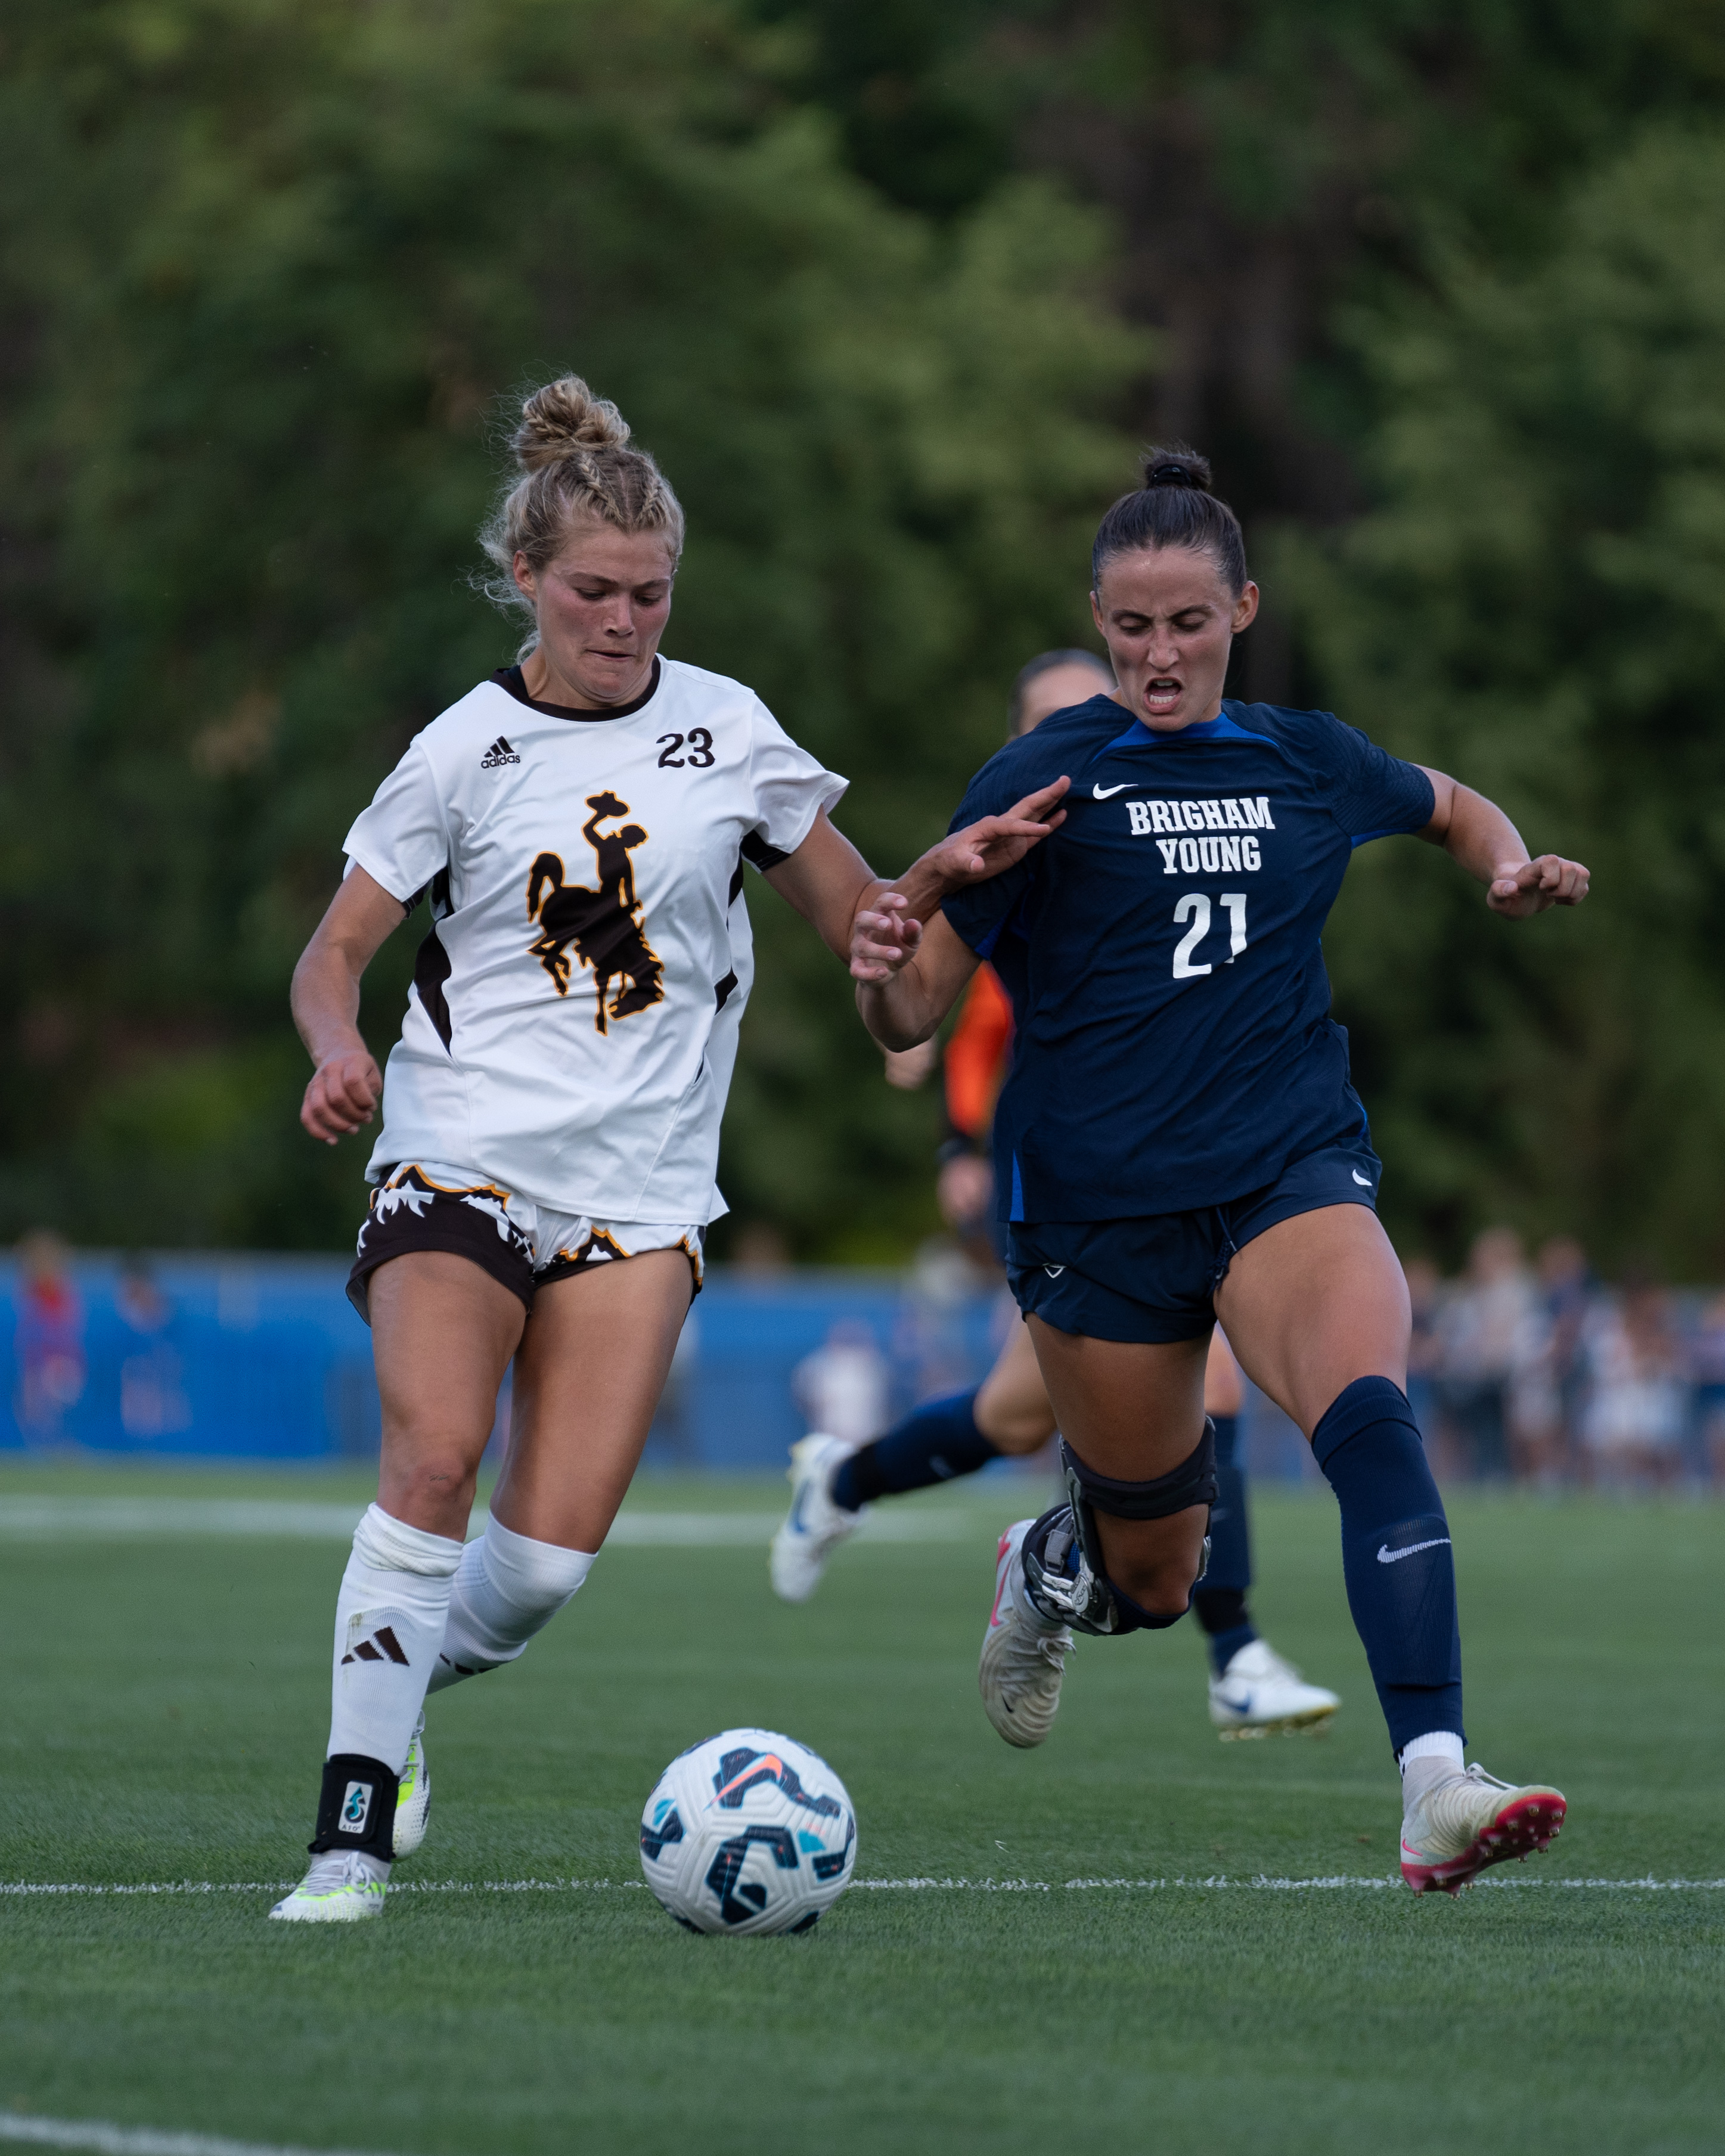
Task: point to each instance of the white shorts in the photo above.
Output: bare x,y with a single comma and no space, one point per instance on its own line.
429,1205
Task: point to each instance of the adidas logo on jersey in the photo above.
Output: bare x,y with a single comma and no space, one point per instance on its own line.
382,1646
500,752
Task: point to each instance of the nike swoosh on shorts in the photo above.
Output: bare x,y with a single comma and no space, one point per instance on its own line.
1386,1555
1364,1180
1106,793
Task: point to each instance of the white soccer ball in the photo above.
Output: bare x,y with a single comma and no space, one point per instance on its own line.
749,1833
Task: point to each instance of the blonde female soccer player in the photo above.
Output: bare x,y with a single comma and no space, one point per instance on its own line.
543,1179
1181,1143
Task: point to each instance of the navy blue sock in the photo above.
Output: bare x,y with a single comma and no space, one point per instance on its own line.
1220,1602
935,1442
1396,1556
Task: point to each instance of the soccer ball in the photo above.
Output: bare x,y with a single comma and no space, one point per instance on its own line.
749,1833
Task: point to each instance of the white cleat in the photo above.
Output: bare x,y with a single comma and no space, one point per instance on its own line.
1259,1693
413,1801
343,1887
814,1526
1023,1653
1459,1825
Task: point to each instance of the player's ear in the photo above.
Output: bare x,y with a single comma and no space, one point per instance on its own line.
1245,609
1095,615
523,576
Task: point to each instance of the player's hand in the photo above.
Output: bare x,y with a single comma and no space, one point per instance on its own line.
1551,881
884,938
344,1093
982,850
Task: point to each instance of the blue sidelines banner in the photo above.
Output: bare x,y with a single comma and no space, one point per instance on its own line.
244,1357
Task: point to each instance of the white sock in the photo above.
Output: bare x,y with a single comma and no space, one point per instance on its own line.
389,1625
508,1588
1427,1761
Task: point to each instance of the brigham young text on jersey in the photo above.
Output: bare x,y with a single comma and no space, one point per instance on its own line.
1175,954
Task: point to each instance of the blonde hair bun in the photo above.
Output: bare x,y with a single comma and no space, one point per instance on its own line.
573,466
562,419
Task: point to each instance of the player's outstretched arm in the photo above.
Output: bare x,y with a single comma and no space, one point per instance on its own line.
828,881
1477,833
909,976
346,1085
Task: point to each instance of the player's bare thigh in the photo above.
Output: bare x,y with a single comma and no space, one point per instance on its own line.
443,1331
588,1376
1133,1410
1012,1409
1313,1303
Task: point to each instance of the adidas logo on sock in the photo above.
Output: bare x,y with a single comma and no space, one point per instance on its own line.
382,1646
498,753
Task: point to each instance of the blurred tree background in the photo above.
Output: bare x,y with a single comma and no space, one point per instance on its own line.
893,292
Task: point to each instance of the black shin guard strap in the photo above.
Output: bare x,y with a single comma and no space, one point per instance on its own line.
1064,1566
356,1809
1193,1482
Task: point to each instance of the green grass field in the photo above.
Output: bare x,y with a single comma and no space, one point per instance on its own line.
165,1698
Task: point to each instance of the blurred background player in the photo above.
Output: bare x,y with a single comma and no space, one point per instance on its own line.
836,1473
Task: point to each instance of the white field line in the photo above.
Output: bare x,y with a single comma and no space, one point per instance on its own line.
1259,1883
59,1519
95,2134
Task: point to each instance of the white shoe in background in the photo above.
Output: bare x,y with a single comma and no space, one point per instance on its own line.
1259,1693
814,1526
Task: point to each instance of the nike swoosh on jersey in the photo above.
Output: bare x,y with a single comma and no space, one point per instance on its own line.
1107,792
1386,1555
1365,1180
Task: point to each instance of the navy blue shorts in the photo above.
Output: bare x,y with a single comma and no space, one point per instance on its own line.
1155,1279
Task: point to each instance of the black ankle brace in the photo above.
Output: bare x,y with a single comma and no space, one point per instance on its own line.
356,1809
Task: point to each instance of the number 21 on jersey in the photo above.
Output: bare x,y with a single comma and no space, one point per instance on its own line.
1195,907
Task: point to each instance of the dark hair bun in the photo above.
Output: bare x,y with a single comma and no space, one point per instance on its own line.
1177,466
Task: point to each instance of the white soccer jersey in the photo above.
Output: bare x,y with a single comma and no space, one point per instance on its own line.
572,1023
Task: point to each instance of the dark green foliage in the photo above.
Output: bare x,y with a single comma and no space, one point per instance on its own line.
1539,607
279,264
270,273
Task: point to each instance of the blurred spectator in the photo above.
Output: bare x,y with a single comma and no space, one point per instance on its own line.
51,1366
1638,1410
1485,1333
152,1391
842,1387
1706,1365
1558,1388
1424,1298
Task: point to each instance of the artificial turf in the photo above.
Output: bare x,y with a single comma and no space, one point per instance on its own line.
165,1705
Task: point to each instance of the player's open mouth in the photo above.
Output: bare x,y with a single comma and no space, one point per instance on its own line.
1162,692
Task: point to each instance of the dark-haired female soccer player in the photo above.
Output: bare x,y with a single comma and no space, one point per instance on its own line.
1182,1145
1253,1689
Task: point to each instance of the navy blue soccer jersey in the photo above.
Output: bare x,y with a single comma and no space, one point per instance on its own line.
1174,1043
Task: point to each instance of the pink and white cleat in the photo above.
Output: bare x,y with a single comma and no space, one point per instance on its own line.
1024,1652
1469,1820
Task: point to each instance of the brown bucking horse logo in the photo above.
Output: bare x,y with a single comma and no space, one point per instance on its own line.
605,926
